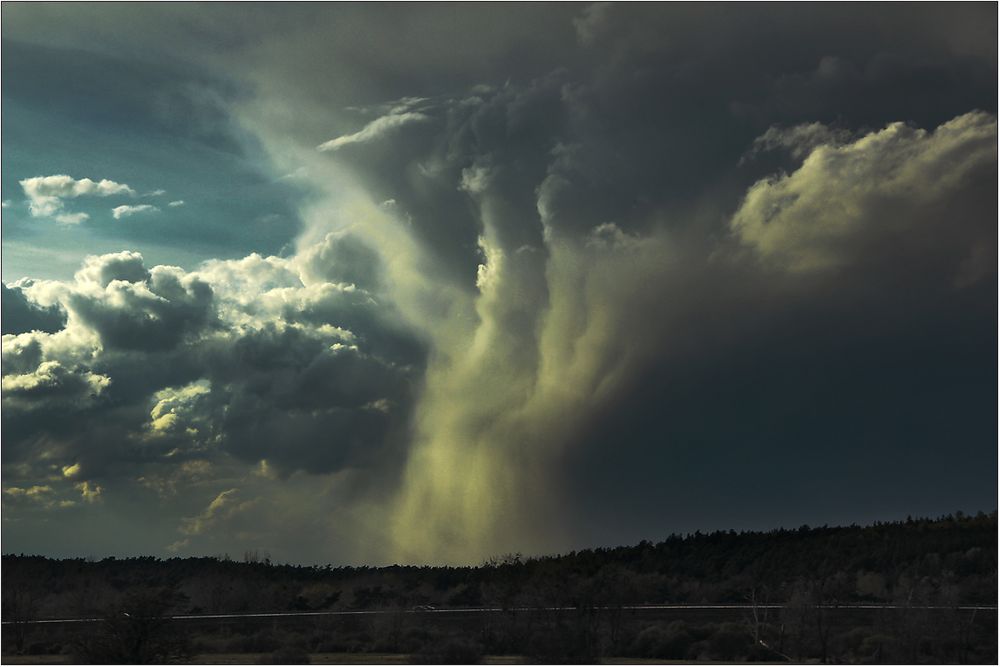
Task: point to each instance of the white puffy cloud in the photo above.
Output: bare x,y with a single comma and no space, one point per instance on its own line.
127,211
46,194
103,269
66,187
176,203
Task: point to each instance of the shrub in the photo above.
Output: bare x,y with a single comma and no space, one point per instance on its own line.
730,642
136,632
670,643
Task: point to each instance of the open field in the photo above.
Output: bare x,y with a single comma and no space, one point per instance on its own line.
700,631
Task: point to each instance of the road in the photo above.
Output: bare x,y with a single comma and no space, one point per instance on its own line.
484,610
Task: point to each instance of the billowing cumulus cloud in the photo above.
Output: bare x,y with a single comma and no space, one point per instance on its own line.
173,405
50,379
899,186
159,375
565,276
146,314
126,266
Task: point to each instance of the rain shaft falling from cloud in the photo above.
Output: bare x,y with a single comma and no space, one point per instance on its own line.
444,282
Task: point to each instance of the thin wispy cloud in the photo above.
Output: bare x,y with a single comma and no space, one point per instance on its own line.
378,128
127,211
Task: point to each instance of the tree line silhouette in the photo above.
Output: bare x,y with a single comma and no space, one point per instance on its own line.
571,607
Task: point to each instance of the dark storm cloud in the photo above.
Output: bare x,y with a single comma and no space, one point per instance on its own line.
565,270
292,398
155,312
20,315
158,366
645,150
121,93
862,406
654,111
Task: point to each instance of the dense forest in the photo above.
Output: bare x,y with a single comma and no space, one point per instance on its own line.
924,574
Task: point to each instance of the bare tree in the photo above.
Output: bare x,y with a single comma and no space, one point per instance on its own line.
20,602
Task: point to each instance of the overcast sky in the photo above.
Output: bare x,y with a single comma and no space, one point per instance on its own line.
433,282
